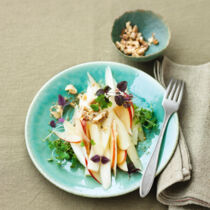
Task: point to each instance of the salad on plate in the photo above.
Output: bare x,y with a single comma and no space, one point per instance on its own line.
103,132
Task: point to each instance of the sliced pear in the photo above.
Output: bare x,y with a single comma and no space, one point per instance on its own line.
121,156
123,166
110,81
92,165
141,134
132,153
106,130
105,170
134,136
79,153
124,115
113,147
123,136
95,135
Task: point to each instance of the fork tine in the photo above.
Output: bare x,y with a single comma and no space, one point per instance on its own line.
181,92
172,90
176,94
169,88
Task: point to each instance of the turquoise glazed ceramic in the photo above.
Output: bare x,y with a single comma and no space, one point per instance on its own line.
147,93
148,22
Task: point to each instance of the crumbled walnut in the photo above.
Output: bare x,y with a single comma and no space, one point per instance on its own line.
71,89
56,111
132,42
101,116
73,104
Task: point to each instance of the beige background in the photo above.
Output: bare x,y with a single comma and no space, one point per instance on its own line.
39,38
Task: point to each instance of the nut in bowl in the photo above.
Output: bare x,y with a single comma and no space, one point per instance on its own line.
140,35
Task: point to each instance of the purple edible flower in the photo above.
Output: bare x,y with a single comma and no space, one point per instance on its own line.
104,160
107,89
61,120
61,100
132,169
96,158
122,86
126,104
119,99
52,124
100,92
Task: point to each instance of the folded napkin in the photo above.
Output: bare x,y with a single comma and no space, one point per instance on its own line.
178,184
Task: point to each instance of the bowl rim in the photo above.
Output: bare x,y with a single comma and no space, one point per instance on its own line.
152,54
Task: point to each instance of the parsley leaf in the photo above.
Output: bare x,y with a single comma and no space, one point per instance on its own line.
82,144
63,151
95,107
92,142
103,101
145,117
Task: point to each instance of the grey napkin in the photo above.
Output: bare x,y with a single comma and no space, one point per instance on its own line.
178,184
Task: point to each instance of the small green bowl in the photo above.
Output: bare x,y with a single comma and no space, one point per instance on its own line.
148,22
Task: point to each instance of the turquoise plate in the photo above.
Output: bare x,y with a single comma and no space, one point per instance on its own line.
147,92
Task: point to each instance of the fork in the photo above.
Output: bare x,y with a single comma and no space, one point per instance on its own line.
170,103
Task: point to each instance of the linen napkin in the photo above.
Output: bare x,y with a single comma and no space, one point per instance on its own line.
178,184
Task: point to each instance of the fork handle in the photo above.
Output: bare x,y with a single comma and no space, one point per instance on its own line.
150,171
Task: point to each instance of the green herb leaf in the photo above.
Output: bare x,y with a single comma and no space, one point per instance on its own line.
145,117
74,161
63,152
95,107
92,142
50,159
103,101
82,144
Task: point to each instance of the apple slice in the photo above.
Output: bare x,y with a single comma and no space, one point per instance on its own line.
79,153
95,134
70,134
69,137
121,156
132,153
113,147
95,175
87,173
124,114
105,170
85,130
123,166
92,165
80,131
123,137
106,130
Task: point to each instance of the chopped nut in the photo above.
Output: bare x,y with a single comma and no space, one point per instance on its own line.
136,44
135,28
118,44
132,42
133,35
56,111
79,96
71,89
101,116
129,51
84,97
73,104
155,41
140,51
